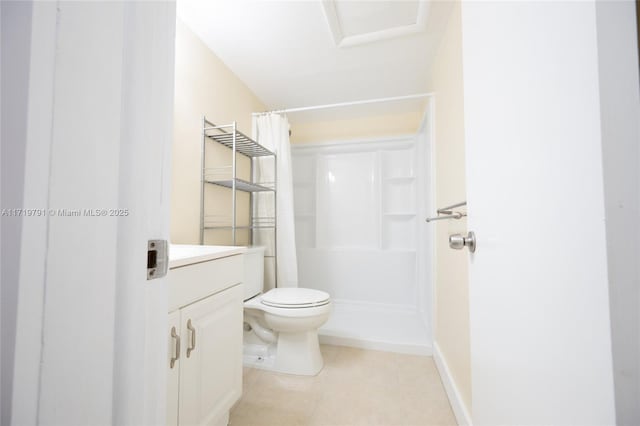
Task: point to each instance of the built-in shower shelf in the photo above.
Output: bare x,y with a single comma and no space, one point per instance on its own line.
242,227
241,185
400,214
398,250
400,179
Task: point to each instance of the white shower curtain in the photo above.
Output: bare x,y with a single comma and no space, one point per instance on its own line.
272,132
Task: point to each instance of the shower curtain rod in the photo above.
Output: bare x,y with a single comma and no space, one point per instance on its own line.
343,104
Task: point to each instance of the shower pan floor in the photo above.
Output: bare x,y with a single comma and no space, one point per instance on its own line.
377,327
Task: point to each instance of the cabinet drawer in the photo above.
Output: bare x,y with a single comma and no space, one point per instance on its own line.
193,282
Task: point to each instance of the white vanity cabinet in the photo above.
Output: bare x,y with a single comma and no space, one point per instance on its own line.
205,340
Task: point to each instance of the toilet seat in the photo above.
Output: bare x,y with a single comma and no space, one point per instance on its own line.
294,297
296,308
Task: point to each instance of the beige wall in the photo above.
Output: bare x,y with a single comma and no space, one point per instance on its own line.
371,127
451,286
203,85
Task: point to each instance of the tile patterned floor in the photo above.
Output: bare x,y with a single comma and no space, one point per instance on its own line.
356,387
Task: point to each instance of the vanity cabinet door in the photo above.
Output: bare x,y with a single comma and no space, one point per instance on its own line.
173,364
211,360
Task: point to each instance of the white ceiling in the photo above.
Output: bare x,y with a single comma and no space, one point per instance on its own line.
303,53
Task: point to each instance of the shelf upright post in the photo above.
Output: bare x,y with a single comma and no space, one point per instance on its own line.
233,187
275,219
202,177
252,221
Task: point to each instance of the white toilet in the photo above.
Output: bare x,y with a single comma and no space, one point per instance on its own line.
281,325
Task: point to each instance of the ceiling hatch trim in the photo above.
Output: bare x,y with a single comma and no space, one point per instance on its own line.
335,25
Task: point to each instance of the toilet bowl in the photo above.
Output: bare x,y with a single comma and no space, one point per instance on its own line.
281,325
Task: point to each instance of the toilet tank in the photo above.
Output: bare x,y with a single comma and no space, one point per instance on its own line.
253,271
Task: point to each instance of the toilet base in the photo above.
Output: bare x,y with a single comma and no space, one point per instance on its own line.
294,353
258,355
299,353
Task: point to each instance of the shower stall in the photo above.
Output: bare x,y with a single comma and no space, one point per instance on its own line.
361,237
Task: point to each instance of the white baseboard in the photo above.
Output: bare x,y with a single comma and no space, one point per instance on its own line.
455,399
410,349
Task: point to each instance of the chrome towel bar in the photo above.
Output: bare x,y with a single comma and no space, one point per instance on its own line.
448,212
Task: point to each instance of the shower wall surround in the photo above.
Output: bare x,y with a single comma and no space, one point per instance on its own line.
357,227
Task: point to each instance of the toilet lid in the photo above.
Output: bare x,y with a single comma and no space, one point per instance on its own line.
295,297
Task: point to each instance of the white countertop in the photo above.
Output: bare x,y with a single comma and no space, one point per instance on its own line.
183,254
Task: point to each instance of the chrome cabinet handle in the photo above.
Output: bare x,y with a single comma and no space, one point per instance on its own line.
176,356
192,345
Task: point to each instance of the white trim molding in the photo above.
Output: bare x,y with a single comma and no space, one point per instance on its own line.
463,417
